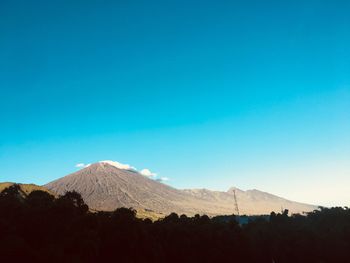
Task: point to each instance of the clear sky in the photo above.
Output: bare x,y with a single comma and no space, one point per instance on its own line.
211,94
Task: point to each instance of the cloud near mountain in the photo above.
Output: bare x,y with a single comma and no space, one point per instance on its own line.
148,173
82,165
145,172
119,165
162,179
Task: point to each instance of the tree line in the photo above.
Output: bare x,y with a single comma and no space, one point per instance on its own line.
39,227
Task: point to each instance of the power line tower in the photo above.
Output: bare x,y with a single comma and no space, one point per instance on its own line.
236,203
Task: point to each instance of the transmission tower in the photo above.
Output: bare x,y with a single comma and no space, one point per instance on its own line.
236,203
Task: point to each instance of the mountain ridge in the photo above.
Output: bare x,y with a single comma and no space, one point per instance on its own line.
105,187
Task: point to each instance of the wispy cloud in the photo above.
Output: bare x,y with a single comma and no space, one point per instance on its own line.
148,173
82,165
162,179
119,165
145,172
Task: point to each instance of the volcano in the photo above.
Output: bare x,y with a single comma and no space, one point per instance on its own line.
105,187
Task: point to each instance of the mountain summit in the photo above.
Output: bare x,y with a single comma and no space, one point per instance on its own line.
106,186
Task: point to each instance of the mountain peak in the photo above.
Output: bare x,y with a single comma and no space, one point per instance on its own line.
145,172
118,165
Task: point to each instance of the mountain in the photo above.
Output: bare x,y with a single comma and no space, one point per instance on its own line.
105,187
251,202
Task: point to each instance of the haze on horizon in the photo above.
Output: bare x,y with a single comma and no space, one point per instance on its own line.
207,94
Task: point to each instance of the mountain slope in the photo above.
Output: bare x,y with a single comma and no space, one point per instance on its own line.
106,187
251,202
25,188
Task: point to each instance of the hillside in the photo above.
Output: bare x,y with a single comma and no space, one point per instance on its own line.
25,188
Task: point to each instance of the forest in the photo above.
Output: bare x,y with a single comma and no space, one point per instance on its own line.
39,227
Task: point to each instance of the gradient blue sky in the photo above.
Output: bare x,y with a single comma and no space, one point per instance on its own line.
254,94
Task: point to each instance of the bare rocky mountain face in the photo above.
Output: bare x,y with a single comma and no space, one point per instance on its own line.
105,187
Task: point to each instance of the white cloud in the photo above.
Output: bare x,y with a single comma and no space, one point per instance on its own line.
162,179
145,172
148,173
119,165
82,165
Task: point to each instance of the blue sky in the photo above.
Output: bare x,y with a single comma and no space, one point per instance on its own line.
254,94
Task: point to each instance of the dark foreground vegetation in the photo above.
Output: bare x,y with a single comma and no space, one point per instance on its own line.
40,228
